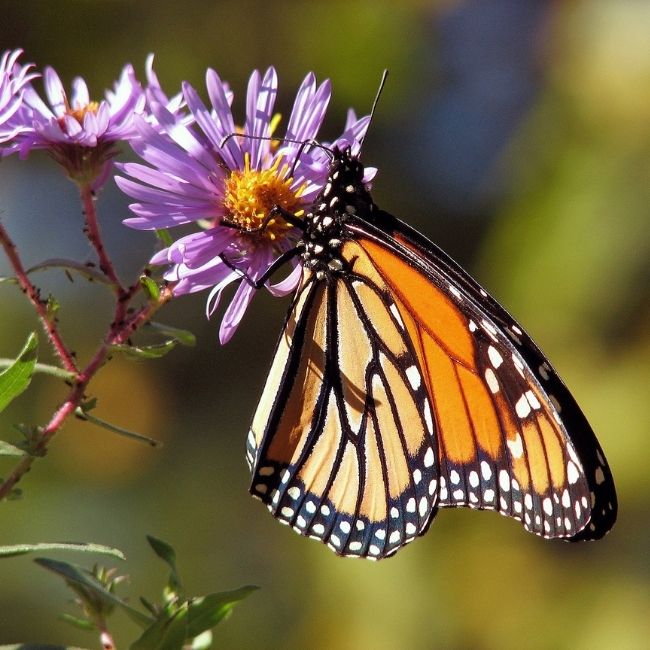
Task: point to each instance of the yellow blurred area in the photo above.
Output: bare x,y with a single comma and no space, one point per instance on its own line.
131,397
601,62
563,242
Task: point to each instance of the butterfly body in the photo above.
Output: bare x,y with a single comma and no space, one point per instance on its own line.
399,386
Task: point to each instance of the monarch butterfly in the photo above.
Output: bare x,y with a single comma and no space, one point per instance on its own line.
400,386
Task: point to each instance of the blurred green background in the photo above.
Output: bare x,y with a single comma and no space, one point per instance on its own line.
515,134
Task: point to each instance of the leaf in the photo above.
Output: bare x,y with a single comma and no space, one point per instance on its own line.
147,351
71,265
7,449
39,646
80,623
76,575
15,379
166,553
8,280
132,435
83,547
150,287
203,641
167,633
184,337
164,236
44,369
208,611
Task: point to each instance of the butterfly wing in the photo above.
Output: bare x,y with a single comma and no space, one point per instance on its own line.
342,446
510,435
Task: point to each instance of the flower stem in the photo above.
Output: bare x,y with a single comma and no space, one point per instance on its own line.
39,304
93,233
117,334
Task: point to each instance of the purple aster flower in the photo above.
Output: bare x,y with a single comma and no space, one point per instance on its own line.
156,95
228,181
79,133
13,78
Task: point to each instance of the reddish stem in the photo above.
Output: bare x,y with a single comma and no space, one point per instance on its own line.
76,394
39,305
93,233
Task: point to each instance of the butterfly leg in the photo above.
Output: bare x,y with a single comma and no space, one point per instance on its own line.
260,282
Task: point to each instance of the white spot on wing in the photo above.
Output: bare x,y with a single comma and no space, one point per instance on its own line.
572,473
413,376
522,407
427,417
532,400
495,358
491,380
395,312
516,446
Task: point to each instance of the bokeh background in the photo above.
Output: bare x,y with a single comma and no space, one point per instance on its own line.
512,132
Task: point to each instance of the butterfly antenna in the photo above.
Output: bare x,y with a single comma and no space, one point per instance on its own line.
382,83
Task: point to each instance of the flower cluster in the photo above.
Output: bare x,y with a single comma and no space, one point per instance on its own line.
199,166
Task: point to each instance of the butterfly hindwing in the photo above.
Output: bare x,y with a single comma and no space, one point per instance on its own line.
340,446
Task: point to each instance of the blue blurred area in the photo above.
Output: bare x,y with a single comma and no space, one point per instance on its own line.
487,69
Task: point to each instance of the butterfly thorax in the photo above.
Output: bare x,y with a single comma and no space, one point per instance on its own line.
344,196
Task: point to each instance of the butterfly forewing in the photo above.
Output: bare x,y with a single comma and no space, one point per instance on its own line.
511,438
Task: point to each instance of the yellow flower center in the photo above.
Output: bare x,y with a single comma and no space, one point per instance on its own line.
250,196
78,113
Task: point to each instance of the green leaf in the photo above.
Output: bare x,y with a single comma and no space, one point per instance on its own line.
7,449
80,623
184,337
150,287
164,236
52,308
8,280
203,641
39,646
166,553
43,369
15,379
83,547
208,611
132,435
87,271
167,633
77,576
154,351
